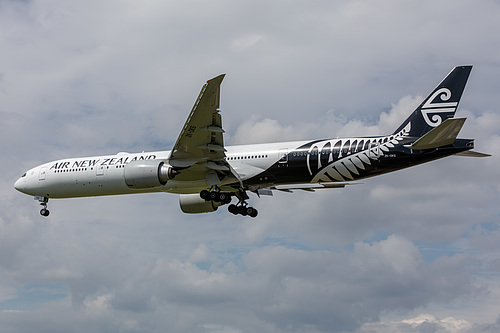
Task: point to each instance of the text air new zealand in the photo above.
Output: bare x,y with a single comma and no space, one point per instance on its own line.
207,174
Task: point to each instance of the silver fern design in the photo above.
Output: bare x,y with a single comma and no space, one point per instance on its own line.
354,156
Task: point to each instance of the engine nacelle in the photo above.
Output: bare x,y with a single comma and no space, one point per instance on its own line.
194,204
148,173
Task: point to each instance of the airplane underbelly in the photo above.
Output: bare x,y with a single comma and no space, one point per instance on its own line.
83,185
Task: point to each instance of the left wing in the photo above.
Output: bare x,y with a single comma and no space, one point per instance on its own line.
199,151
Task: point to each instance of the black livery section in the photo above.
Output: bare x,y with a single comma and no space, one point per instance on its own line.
341,160
351,162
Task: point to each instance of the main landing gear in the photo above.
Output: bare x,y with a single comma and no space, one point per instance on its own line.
217,196
223,198
242,209
43,202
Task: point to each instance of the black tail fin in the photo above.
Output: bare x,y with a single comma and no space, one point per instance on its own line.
440,105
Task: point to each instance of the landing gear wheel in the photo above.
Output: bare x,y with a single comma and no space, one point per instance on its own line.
233,209
252,212
205,195
215,196
43,202
224,198
242,210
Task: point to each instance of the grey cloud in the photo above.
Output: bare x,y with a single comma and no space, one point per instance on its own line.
290,290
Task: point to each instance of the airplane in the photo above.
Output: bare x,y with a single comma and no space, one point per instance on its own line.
207,174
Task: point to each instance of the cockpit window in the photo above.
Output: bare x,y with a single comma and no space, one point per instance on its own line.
24,175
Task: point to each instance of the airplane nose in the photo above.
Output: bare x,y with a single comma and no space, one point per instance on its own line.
20,184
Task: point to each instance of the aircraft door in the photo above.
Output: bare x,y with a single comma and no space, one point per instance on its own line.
99,170
283,156
43,174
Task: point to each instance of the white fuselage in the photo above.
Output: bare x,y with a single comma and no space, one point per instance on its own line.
104,175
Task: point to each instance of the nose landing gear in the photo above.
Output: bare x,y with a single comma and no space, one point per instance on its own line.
43,202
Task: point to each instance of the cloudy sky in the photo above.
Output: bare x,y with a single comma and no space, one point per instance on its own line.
413,251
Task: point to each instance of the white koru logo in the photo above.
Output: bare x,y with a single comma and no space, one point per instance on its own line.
438,108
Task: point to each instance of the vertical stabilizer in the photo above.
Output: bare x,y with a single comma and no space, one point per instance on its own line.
440,105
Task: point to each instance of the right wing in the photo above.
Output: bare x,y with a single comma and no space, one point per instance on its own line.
309,187
199,152
201,137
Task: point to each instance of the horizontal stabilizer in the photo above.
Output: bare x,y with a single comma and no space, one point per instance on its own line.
311,187
471,153
443,135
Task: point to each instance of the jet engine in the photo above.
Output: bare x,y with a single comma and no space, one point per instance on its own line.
148,173
194,204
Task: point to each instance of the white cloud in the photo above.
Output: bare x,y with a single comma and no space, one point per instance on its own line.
98,305
243,43
422,323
